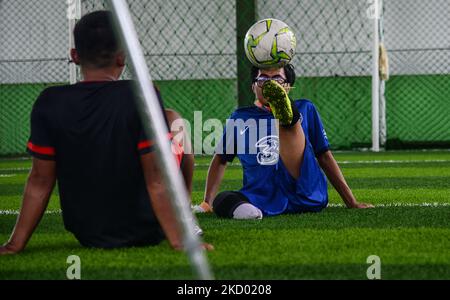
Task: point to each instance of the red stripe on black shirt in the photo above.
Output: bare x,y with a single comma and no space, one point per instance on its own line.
40,149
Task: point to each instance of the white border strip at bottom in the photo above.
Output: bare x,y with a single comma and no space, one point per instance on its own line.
399,204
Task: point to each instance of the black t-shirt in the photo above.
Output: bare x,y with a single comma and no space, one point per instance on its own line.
93,132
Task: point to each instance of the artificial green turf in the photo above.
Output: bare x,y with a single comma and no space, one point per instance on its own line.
411,241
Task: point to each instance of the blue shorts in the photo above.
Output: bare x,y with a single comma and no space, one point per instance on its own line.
309,192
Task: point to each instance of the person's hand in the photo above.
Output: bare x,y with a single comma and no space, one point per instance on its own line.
9,249
207,247
203,207
204,246
361,205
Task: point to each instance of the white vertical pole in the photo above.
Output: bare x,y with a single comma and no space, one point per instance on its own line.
376,82
73,14
383,127
153,122
382,96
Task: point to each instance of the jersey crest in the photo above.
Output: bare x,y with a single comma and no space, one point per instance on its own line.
268,153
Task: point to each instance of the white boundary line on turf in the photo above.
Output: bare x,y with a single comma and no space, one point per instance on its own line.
391,161
398,204
16,212
349,162
368,162
344,162
15,169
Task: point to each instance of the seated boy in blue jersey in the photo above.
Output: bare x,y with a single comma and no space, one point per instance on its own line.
282,162
88,136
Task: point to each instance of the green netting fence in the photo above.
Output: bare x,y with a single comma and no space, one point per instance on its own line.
193,49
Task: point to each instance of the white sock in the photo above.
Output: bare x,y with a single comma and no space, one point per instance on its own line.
247,211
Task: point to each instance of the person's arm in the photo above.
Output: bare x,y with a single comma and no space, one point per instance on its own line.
180,135
160,200
37,193
187,169
215,175
161,203
334,174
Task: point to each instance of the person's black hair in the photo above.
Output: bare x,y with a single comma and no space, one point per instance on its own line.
95,40
288,69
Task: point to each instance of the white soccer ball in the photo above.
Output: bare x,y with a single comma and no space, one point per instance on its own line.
270,43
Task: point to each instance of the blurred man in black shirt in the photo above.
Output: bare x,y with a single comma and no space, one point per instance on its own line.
90,138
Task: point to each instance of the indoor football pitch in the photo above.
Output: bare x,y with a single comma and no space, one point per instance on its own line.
409,230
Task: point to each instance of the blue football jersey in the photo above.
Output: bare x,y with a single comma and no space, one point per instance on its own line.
250,134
